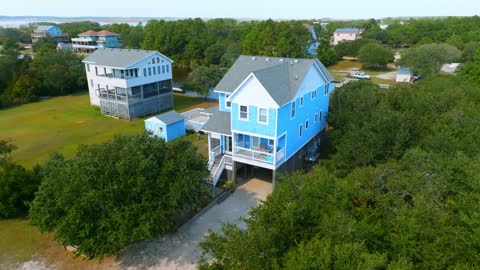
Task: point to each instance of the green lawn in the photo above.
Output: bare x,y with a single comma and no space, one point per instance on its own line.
63,123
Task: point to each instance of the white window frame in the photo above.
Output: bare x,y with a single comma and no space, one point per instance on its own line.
292,109
240,112
320,116
301,102
314,94
316,118
266,116
325,91
91,83
228,104
88,67
300,127
306,124
160,129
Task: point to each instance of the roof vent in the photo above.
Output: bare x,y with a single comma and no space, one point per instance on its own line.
296,77
296,61
281,60
267,59
291,63
253,58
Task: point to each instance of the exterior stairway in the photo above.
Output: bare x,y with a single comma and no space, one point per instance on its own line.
217,169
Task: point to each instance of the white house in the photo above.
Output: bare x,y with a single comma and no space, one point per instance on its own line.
129,83
345,35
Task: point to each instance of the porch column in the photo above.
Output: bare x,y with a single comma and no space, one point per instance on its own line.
274,176
209,144
234,173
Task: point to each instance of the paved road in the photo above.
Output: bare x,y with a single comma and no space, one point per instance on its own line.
180,250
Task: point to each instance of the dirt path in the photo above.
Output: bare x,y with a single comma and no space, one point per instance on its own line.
181,250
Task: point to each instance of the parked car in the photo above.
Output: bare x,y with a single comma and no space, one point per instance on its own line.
360,75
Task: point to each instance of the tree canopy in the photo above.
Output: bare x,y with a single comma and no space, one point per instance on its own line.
351,48
375,56
17,184
429,58
399,189
125,190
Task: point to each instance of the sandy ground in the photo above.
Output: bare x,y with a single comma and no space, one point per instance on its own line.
388,75
179,251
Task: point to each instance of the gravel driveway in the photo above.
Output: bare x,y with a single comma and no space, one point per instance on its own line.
181,250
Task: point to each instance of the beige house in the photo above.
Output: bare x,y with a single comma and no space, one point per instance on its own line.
345,35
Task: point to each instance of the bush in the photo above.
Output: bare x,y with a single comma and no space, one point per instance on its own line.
119,192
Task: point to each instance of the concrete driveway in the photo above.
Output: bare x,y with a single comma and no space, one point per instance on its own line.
181,250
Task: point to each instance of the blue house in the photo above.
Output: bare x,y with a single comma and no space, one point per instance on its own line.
49,31
169,125
89,41
271,110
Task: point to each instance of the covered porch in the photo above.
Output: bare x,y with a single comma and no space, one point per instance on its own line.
261,150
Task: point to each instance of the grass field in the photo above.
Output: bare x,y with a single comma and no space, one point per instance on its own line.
61,124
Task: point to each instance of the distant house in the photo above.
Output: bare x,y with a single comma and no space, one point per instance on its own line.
89,41
51,31
129,83
64,46
345,35
169,125
404,75
312,49
271,111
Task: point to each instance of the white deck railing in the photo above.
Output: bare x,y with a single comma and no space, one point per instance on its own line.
218,171
258,155
213,154
280,155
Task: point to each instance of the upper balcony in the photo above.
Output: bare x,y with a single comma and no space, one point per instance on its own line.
258,151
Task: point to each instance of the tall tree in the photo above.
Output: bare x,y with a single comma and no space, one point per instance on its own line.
375,56
429,58
125,190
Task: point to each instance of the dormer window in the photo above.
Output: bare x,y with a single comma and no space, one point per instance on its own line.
228,104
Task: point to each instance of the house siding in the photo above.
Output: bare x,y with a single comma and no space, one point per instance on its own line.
304,113
175,130
170,132
221,103
251,125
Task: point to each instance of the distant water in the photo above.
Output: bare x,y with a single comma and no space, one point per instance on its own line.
16,24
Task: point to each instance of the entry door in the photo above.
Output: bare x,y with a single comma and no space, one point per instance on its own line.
228,144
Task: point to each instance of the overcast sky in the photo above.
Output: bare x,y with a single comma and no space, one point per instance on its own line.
275,9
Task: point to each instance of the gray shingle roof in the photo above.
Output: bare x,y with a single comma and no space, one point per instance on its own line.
281,77
169,117
219,122
119,58
347,30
